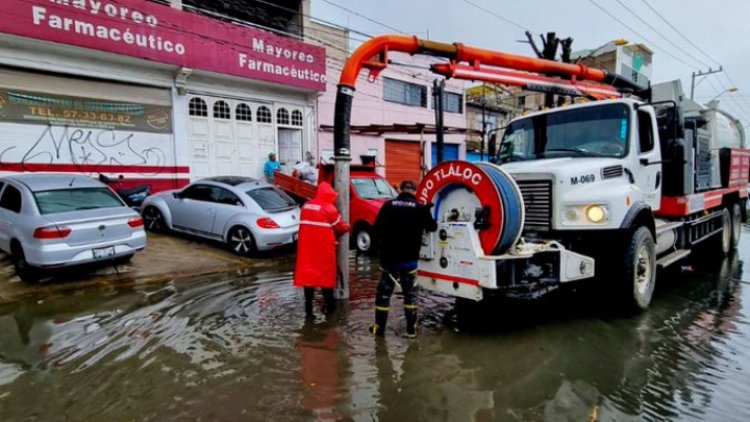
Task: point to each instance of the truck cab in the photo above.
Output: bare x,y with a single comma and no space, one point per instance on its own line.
587,167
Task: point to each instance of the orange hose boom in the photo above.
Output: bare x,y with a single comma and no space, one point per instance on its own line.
460,53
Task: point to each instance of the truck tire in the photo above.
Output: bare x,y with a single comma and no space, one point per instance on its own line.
636,272
363,240
736,214
721,244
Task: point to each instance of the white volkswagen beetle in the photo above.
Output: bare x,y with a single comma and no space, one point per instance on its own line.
245,213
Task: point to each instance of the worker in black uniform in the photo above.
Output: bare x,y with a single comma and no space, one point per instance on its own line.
398,229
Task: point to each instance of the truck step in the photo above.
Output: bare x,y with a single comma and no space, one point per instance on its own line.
673,257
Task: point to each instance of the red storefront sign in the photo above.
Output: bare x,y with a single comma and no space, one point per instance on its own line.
160,33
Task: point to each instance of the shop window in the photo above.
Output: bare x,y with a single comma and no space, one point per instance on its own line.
244,113
296,118
197,107
221,110
264,114
282,116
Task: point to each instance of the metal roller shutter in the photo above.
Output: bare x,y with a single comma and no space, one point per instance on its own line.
85,88
450,153
402,161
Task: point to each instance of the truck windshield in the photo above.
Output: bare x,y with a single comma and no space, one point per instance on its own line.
370,188
597,131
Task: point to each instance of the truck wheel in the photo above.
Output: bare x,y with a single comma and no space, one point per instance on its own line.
736,225
721,244
363,240
637,271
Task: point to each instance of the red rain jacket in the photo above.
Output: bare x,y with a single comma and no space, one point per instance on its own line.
320,224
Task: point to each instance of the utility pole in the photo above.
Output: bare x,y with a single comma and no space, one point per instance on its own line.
702,73
484,123
437,94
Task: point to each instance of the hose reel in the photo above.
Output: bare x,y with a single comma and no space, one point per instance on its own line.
478,193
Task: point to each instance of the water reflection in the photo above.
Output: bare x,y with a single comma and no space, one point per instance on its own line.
240,349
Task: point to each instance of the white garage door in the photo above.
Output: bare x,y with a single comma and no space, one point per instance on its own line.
229,137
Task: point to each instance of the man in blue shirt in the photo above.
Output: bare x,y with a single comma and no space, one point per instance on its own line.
271,167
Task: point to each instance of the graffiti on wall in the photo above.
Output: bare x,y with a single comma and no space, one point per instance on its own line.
39,130
81,146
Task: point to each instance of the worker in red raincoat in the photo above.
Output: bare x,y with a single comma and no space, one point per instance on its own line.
320,224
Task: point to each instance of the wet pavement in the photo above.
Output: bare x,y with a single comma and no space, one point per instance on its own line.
165,258
238,348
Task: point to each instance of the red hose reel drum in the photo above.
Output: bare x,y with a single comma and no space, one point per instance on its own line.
459,189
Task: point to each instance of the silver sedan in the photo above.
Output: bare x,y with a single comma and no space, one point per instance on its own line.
60,220
245,213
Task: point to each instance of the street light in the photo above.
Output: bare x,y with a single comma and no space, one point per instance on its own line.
731,89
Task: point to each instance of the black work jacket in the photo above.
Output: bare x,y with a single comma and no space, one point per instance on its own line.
399,227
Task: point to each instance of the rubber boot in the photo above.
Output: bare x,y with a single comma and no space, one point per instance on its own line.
330,301
309,296
381,320
410,311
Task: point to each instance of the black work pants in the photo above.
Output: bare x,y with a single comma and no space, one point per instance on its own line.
330,301
388,283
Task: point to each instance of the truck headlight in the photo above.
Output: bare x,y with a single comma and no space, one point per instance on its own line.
596,213
586,214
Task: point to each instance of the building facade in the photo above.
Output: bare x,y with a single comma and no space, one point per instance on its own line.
396,104
157,93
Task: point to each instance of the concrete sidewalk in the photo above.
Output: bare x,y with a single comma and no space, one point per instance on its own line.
166,257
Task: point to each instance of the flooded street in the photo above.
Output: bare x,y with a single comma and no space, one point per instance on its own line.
237,349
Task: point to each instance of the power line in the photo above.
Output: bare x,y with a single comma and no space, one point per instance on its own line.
656,12
665,51
732,84
735,106
363,16
490,12
687,53
331,31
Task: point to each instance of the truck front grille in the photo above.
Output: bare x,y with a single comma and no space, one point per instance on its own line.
537,199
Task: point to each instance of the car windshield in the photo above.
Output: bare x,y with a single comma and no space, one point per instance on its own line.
373,188
65,200
271,199
597,131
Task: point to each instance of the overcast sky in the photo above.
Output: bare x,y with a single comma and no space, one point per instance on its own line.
720,28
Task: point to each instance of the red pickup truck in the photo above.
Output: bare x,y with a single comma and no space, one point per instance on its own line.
369,191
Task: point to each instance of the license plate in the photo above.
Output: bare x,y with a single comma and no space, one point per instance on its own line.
107,252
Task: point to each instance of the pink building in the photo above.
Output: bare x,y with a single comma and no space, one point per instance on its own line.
400,95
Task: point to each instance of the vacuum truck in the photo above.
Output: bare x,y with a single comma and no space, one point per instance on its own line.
614,188
639,177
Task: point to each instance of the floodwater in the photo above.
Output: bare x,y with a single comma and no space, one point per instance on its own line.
239,349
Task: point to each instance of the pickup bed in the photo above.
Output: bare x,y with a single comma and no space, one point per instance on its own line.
369,191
